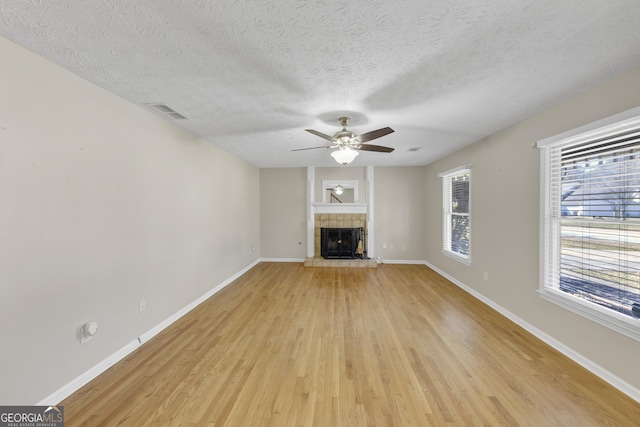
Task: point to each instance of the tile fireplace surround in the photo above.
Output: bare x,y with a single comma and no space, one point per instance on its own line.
337,220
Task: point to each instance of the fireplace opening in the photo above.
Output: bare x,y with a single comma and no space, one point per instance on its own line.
342,243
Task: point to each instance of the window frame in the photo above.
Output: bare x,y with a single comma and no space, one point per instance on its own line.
550,255
447,176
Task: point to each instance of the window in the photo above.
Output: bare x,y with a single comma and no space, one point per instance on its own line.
591,221
456,227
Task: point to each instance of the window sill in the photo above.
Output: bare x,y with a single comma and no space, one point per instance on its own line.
460,258
625,325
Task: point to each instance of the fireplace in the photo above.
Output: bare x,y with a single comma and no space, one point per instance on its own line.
339,220
342,242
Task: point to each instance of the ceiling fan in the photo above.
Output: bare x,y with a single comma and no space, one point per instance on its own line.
347,141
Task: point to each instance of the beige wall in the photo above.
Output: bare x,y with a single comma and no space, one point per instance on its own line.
399,213
283,213
505,196
103,205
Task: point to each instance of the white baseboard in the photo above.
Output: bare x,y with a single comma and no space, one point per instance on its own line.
281,259
158,328
402,261
596,369
75,384
65,391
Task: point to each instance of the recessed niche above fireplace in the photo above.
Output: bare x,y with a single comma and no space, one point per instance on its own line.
350,194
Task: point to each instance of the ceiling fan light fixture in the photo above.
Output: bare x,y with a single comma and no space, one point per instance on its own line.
344,155
347,142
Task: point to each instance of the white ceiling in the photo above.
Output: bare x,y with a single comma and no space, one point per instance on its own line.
251,75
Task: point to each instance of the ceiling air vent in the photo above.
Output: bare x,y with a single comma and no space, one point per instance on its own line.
167,111
414,148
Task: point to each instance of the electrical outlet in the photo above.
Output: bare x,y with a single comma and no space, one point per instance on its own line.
486,276
142,306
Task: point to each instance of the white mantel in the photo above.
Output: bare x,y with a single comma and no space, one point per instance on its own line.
346,208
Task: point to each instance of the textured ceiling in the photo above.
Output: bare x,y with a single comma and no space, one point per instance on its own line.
251,75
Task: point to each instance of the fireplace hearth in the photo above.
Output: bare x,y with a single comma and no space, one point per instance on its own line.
341,243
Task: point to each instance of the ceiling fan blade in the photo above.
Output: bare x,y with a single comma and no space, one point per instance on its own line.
313,148
368,136
320,134
378,148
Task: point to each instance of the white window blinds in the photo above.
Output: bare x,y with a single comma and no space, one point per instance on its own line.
592,218
456,230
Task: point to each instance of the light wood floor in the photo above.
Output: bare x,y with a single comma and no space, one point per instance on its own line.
399,345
